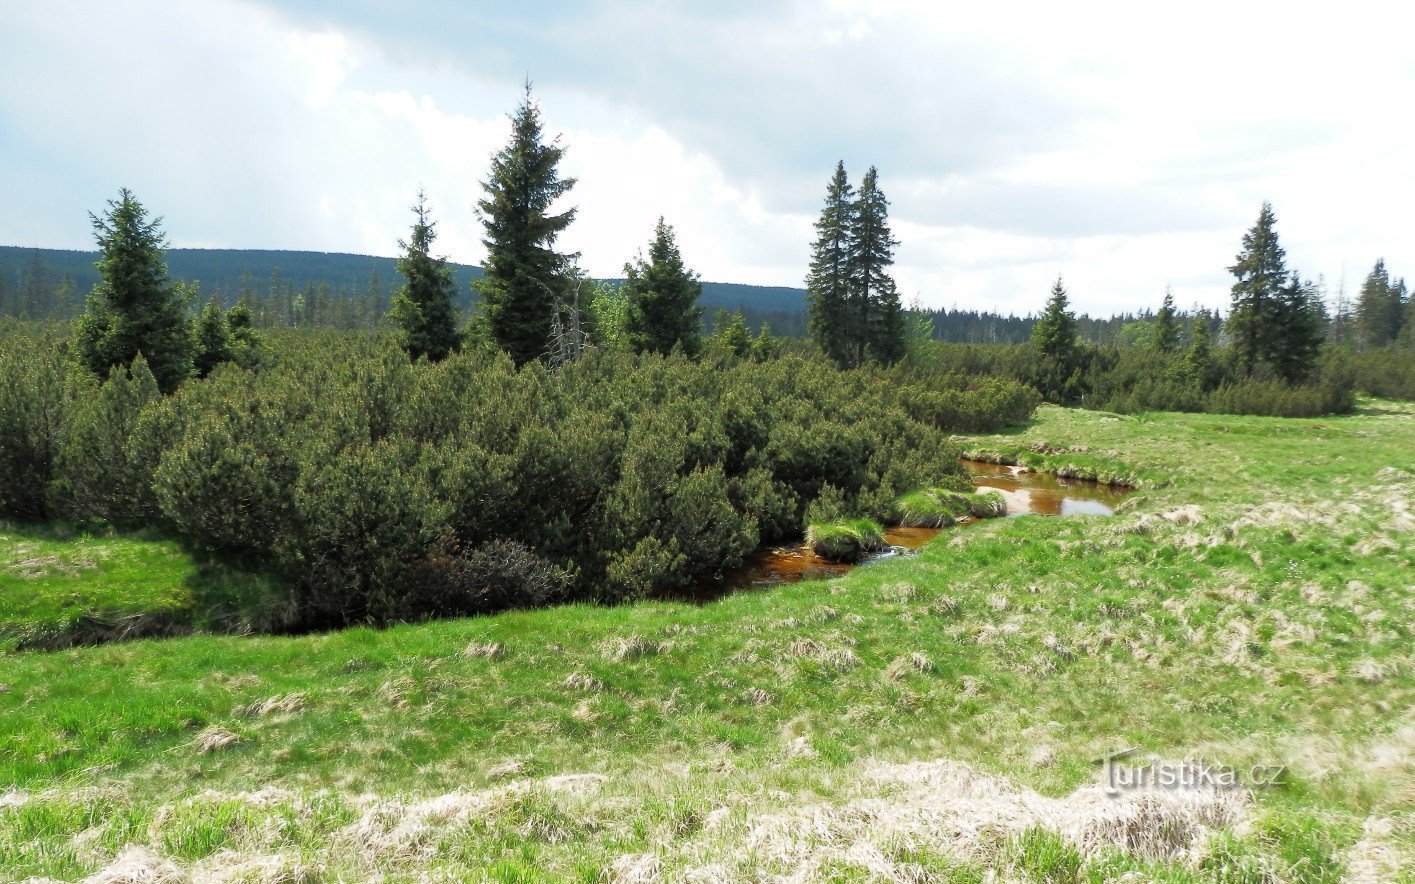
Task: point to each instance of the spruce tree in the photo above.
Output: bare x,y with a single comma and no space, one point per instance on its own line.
213,339
423,308
875,320
245,340
134,308
525,278
1297,331
1261,274
663,297
828,282
731,337
1198,359
1166,331
1056,356
1378,308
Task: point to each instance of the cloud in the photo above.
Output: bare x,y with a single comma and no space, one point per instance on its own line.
1123,146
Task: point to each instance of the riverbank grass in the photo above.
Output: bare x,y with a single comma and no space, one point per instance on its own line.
63,585
845,540
940,508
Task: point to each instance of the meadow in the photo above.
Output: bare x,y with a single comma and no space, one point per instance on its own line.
930,718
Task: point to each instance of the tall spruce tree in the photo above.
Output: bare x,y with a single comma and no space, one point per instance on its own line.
526,279
828,282
663,298
1057,356
1166,331
423,308
1261,273
877,327
134,308
1378,308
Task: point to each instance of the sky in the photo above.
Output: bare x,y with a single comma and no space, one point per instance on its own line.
1125,147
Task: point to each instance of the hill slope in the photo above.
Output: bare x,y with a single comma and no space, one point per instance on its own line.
221,271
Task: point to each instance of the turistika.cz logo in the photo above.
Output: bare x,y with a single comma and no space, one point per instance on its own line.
1118,777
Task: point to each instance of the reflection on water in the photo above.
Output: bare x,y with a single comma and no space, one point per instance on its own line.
1026,493
1033,494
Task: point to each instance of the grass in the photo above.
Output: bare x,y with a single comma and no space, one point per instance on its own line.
940,508
63,585
1251,605
846,540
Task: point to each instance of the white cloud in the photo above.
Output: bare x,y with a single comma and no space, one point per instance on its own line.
1123,146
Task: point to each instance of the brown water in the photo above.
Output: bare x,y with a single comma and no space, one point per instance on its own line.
1034,494
1026,494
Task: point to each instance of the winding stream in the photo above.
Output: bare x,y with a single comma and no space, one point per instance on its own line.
1026,493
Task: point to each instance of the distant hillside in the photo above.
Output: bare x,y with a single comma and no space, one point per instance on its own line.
221,271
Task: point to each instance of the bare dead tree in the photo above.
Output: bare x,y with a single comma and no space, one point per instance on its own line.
569,339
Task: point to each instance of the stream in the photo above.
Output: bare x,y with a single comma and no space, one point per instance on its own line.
1027,494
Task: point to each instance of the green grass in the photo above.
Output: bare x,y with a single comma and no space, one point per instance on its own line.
63,585
846,540
1251,604
939,507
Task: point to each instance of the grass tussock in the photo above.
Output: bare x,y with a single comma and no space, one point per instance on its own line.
940,508
846,540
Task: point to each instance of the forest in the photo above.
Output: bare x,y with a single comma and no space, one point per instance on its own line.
568,438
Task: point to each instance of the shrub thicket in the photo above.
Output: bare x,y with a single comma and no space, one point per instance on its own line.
384,489
1131,379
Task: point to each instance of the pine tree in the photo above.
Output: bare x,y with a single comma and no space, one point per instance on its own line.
423,308
134,308
828,282
877,327
1056,355
525,277
1166,332
663,298
1261,274
1297,332
213,339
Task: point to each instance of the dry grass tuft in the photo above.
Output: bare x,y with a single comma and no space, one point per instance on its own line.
630,647
832,658
487,651
950,809
287,704
214,739
1374,859
759,697
634,868
138,865
511,767
916,662
583,681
